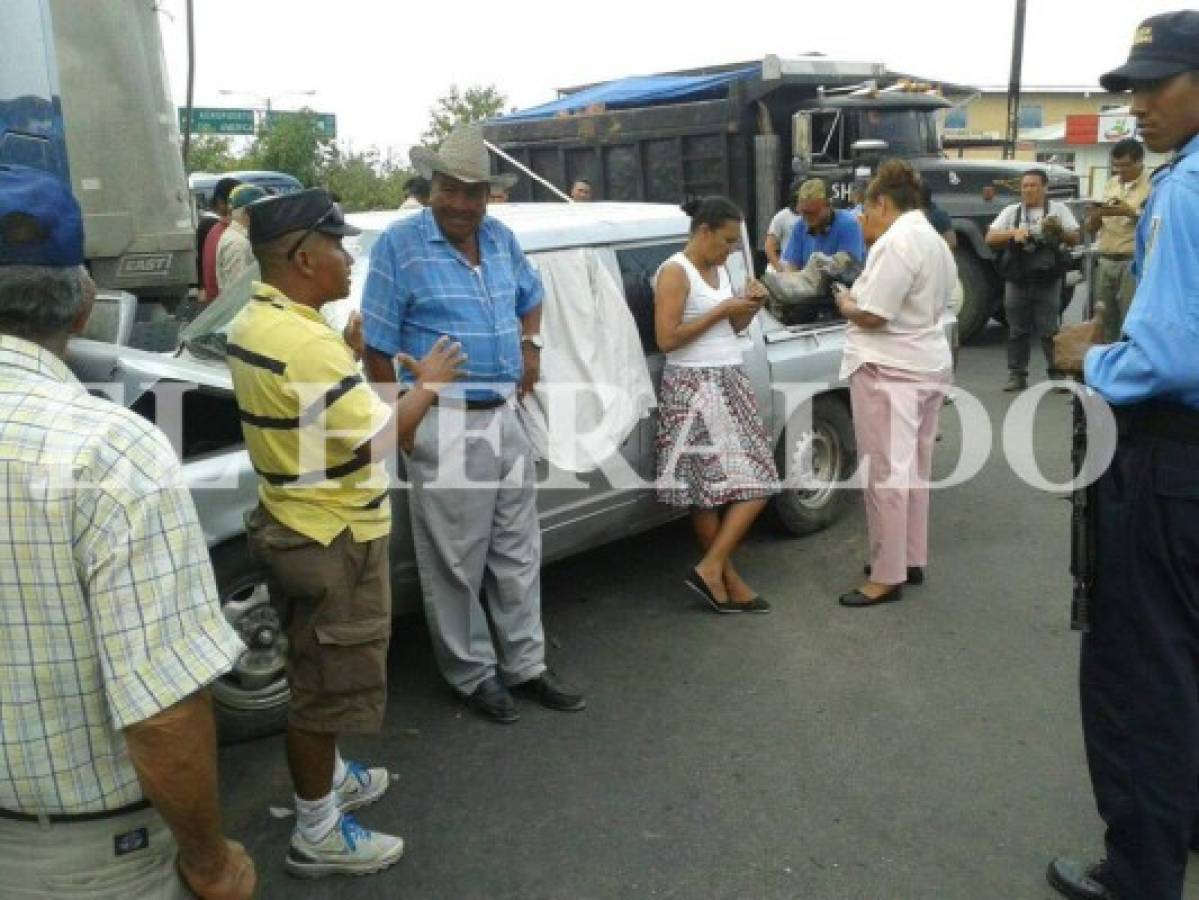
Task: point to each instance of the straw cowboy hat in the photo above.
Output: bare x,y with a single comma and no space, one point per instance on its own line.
461,156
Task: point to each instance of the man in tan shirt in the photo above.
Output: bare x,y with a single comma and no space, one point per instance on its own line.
234,258
1116,222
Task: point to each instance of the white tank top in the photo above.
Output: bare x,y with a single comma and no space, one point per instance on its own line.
719,345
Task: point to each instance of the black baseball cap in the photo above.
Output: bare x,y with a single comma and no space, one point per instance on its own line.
1162,47
310,210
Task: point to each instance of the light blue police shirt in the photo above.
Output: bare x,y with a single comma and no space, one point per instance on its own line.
1159,356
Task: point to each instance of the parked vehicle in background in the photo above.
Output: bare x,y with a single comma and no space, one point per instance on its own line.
201,184
627,240
73,76
746,130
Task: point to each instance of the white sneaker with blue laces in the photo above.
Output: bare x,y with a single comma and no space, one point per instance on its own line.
348,849
361,786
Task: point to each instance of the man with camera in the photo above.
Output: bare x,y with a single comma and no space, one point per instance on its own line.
1028,237
1115,221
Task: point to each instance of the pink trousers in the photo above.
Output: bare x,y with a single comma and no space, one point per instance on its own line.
895,416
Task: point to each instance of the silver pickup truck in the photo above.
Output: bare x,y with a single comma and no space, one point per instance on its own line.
631,240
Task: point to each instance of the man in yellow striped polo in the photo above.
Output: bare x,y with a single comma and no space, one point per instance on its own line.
317,435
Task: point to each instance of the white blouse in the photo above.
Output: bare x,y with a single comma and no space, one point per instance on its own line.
908,279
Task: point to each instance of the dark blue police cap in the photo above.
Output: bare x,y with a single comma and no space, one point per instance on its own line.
310,210
1163,46
40,221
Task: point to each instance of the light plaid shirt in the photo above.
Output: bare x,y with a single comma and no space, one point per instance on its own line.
108,610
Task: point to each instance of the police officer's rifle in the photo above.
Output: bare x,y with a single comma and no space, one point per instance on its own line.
1082,509
1082,524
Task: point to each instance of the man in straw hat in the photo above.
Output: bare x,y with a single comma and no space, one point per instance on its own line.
453,270
1138,671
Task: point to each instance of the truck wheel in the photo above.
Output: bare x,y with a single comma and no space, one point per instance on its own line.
251,700
978,294
831,453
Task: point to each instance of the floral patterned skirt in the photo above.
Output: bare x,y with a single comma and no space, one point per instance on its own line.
712,447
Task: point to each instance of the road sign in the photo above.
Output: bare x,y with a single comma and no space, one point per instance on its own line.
326,123
208,120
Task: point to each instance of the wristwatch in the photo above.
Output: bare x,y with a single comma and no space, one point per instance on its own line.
534,340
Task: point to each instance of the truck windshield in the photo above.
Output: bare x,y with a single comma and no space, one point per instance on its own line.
908,132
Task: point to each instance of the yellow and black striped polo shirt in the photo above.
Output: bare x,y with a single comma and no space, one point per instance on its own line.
307,414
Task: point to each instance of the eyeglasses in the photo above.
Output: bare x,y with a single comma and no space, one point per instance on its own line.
332,211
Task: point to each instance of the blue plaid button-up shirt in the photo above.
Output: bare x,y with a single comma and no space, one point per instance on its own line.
421,287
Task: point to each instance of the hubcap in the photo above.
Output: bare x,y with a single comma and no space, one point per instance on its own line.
258,679
815,466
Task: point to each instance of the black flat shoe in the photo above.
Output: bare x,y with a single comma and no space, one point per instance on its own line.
492,701
697,584
552,693
758,604
915,574
1079,882
857,599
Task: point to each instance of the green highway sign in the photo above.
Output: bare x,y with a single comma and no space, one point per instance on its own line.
208,120
326,123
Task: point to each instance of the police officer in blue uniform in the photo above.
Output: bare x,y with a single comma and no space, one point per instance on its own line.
1139,673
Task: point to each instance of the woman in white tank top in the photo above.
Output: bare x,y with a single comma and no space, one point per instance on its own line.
714,453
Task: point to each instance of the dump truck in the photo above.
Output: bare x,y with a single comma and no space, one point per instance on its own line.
84,95
748,130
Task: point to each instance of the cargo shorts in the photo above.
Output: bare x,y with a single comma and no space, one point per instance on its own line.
335,606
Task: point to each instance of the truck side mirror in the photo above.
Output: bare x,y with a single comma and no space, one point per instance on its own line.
801,143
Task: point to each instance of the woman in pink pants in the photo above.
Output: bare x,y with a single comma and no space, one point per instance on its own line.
898,361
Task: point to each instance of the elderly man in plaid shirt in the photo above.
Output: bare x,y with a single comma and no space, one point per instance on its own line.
110,626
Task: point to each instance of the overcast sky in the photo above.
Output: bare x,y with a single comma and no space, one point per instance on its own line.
380,64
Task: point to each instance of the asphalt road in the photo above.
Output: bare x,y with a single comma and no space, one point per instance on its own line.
925,749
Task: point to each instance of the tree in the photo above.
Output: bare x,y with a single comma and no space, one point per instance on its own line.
459,108
292,143
211,153
364,181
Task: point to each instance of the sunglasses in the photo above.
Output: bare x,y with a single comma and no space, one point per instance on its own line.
331,212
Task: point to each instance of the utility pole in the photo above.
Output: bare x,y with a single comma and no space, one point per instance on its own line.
1013,87
191,81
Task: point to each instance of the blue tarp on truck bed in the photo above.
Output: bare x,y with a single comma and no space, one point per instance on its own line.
639,90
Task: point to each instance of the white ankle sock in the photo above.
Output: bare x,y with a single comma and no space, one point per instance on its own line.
339,769
316,818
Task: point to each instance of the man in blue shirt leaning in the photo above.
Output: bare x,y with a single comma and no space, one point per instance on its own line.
453,270
824,229
1139,671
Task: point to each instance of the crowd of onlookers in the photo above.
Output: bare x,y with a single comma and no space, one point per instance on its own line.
113,630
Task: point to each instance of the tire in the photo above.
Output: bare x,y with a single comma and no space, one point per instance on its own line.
834,454
979,294
250,701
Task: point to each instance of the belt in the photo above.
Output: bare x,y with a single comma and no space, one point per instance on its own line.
1161,421
457,403
66,818
1116,257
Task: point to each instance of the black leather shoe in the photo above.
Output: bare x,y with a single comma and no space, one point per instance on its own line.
1079,882
492,701
915,574
551,693
858,600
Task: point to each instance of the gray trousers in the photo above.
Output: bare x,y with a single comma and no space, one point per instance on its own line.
79,861
1031,309
1114,287
478,541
